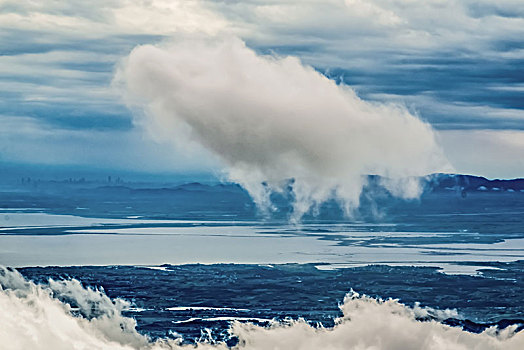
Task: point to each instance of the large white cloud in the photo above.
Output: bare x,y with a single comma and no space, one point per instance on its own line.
270,119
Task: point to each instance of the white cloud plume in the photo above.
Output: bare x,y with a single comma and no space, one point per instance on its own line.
34,318
270,119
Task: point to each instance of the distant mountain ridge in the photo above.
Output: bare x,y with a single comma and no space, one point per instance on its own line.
470,183
431,183
442,193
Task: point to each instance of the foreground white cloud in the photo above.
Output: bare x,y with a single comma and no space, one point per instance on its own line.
271,119
34,318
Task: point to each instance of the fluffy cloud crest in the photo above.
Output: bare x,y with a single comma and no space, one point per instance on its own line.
367,323
270,119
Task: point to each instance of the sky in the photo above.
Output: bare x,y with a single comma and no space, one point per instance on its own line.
458,65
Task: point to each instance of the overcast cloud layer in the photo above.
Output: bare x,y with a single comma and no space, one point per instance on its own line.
457,64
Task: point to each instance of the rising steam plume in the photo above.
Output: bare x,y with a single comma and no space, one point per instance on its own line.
269,119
